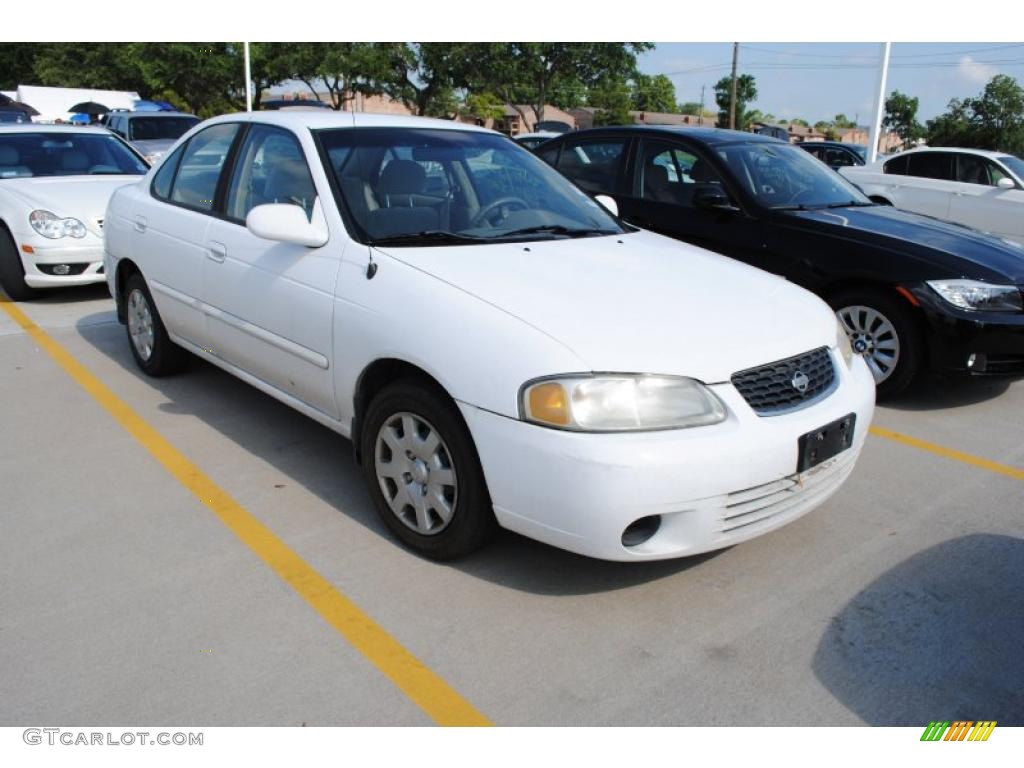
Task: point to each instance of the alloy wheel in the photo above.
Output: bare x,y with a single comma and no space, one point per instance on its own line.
140,324
874,336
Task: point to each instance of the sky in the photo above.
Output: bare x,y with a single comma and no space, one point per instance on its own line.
817,81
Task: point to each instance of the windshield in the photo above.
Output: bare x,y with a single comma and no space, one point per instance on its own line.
413,186
66,154
782,176
149,128
1015,164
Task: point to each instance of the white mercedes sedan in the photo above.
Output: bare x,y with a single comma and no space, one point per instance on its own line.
499,347
55,182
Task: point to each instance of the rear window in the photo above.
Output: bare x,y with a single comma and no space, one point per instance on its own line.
897,166
932,165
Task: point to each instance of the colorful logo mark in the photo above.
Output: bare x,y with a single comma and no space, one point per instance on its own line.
961,730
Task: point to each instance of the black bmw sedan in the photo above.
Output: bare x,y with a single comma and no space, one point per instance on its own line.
914,293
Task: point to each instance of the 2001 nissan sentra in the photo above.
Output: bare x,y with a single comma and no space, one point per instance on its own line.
498,346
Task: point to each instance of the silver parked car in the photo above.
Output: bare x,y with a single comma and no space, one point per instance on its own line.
150,133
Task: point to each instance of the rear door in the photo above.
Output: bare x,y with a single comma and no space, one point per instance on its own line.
978,202
270,304
169,229
928,186
595,164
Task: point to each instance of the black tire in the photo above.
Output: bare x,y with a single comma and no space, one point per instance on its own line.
165,357
907,331
472,520
12,273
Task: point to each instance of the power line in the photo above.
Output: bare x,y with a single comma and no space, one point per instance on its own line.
873,57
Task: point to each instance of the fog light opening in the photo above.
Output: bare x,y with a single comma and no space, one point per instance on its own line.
641,530
62,269
977,362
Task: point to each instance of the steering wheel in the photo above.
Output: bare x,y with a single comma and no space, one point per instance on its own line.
484,213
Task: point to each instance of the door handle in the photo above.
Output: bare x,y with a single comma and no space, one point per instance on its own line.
140,223
217,251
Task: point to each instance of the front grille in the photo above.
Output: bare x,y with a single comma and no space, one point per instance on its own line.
772,389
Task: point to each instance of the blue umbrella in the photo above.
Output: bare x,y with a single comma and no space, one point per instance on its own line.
146,106
80,118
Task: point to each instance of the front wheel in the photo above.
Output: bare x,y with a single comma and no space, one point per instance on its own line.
423,472
12,273
885,333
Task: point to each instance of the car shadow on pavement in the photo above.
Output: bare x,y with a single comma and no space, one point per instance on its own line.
938,637
73,294
934,392
322,462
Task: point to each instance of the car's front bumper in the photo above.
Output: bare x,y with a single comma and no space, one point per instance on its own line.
974,343
84,259
712,486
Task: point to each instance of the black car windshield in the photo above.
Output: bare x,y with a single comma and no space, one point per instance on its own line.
149,128
427,186
66,153
1014,163
782,176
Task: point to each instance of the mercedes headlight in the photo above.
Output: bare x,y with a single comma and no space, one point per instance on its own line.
54,227
976,295
620,403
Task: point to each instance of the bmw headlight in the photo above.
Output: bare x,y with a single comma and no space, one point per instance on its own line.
620,403
54,227
976,295
843,343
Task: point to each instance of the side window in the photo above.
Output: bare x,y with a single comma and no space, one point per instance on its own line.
549,154
115,125
897,166
592,165
996,173
972,169
838,158
196,182
271,168
161,188
932,165
812,150
668,173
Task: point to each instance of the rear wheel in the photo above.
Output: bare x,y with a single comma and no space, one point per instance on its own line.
884,331
12,273
423,472
151,347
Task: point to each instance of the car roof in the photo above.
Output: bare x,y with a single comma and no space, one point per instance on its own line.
47,128
827,143
711,136
323,118
965,150
150,113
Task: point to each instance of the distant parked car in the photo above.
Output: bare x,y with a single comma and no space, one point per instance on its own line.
54,185
533,140
836,154
498,346
151,133
913,292
980,189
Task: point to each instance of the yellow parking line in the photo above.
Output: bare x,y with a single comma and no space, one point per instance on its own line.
426,689
949,453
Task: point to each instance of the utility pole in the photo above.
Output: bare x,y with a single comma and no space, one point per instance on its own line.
700,117
876,125
732,97
248,80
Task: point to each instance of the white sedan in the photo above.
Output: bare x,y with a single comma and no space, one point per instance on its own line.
500,349
55,182
974,187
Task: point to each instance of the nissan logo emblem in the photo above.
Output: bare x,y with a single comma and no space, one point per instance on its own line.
800,382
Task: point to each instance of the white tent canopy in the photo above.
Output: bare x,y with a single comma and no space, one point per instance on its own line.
53,103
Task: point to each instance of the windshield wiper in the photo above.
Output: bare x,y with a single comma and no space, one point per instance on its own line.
849,204
428,237
555,229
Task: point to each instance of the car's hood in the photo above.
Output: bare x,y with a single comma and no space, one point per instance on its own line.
153,146
885,225
83,197
639,303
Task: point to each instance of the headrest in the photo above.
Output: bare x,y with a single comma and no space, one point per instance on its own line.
74,160
402,177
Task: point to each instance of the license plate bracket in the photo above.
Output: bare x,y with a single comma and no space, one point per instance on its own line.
825,442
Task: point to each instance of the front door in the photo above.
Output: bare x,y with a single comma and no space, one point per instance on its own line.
978,202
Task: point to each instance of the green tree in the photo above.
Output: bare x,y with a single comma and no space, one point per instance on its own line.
17,65
335,72
611,98
799,121
269,65
206,78
107,66
992,120
485,106
901,117
653,93
842,121
425,76
746,92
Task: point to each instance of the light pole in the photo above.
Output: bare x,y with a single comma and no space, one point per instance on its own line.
248,80
876,126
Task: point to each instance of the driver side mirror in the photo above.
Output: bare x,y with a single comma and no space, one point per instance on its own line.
713,199
1006,183
287,223
609,204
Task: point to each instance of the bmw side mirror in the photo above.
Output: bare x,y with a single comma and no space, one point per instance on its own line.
287,223
1006,183
713,199
609,204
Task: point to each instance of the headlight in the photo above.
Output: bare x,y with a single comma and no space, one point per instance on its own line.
843,342
620,403
974,294
54,227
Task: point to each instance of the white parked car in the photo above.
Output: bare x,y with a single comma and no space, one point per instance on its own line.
55,182
499,348
980,189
